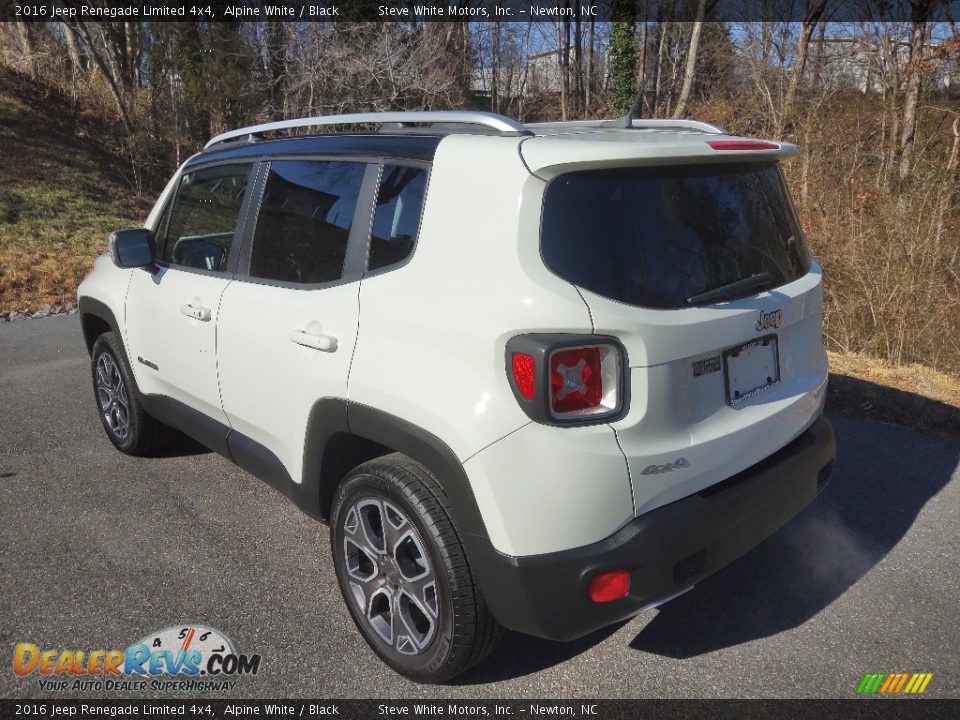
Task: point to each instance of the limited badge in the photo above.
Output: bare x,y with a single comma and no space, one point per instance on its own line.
706,366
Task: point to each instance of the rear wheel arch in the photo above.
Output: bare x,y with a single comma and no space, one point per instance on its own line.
342,435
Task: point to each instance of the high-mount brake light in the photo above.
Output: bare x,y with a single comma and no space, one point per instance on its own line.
525,375
584,381
742,145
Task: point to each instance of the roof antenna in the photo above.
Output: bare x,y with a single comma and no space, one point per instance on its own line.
627,120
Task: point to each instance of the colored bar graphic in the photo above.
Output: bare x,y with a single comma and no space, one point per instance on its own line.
894,683
871,683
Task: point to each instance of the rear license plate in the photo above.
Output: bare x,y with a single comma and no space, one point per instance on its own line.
751,368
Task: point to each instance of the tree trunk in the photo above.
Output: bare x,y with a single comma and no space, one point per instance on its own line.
495,70
105,71
73,51
24,37
912,94
563,38
661,46
641,80
578,61
691,67
815,9
588,95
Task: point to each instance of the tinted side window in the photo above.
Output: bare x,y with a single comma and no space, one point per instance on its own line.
397,216
305,219
204,216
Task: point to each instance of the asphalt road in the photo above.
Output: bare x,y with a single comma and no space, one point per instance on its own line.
98,549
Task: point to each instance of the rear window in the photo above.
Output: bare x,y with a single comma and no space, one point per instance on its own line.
654,237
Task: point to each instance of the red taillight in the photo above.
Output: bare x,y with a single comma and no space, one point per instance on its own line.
584,381
576,379
525,375
742,145
610,586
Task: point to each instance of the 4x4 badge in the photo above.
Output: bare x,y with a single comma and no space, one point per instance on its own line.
769,320
677,464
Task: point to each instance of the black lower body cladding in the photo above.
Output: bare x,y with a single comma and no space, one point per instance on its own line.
666,550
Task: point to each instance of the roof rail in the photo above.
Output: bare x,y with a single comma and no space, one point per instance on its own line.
500,124
637,123
685,124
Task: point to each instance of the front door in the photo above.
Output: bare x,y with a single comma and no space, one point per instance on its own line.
172,311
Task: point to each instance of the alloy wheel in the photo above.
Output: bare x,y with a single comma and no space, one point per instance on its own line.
392,580
112,397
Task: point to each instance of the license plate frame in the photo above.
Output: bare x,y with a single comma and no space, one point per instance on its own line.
751,368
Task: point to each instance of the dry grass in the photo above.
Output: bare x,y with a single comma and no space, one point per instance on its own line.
913,395
61,194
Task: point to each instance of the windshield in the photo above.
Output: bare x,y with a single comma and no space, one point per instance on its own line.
656,236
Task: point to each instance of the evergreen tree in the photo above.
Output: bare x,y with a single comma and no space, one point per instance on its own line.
622,62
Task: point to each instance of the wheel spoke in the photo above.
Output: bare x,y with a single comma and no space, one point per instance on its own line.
424,594
362,565
380,613
410,557
102,372
395,526
104,398
117,380
417,620
122,396
370,514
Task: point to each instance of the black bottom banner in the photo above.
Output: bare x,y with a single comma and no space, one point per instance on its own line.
588,709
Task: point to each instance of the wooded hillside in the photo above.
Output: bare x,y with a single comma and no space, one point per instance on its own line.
875,108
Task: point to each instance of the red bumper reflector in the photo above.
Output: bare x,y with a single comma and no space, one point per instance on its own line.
609,586
742,145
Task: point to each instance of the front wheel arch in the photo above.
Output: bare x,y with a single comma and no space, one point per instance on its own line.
96,318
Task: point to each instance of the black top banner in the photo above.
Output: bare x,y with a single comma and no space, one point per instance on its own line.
413,11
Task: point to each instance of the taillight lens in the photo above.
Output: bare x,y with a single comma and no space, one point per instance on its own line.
584,381
525,375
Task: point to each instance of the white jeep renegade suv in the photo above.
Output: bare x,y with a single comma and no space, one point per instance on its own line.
537,377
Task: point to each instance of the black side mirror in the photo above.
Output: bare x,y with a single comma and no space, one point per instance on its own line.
132,248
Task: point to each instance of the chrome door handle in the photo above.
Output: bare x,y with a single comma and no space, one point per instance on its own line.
323,343
197,312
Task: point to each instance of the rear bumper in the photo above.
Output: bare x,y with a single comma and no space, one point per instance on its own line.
666,550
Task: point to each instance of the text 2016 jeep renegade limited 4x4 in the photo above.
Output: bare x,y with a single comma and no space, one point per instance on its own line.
538,377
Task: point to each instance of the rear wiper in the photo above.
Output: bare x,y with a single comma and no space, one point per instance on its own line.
732,288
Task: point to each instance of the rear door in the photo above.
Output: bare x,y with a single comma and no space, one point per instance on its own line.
172,311
288,325
702,273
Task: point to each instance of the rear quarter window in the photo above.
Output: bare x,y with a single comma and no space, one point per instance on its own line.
656,236
396,218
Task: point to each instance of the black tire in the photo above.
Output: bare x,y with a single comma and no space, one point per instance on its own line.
139,434
463,631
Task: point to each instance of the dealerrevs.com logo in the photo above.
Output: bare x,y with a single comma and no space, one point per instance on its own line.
186,657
